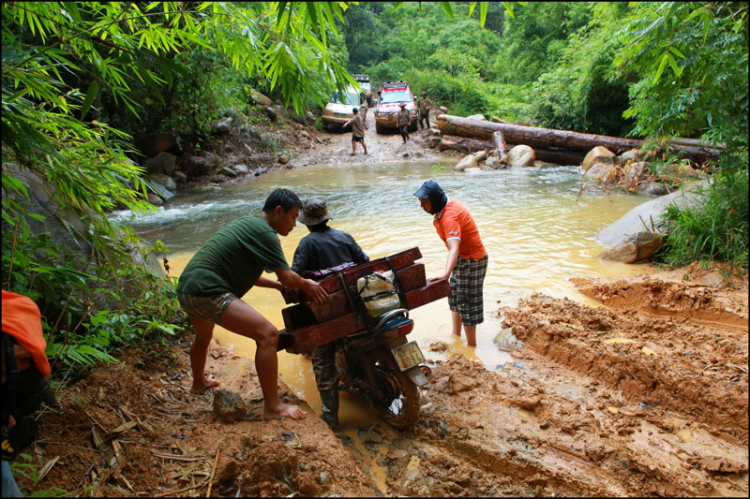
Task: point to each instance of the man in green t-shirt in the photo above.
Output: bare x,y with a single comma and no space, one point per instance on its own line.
223,270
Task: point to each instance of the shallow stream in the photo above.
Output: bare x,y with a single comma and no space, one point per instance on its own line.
538,230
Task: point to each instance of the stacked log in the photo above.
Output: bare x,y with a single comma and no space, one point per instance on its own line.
557,143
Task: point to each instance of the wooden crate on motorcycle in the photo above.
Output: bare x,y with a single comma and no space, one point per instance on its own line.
333,283
303,338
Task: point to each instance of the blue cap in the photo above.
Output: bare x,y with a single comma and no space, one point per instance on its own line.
428,187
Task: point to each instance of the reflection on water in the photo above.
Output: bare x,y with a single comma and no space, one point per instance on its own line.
537,230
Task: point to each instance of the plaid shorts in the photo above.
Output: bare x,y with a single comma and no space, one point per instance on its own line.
467,288
208,308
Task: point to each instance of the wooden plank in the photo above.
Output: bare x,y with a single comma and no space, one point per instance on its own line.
305,339
333,283
338,304
434,290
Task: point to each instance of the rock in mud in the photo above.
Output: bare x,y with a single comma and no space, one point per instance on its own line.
283,159
228,406
270,113
635,248
259,98
438,346
506,341
241,169
217,179
180,176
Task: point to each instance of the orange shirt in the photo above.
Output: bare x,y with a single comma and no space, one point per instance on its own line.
22,320
455,222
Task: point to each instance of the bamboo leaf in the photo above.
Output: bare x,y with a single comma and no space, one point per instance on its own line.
662,65
90,96
482,13
448,9
396,7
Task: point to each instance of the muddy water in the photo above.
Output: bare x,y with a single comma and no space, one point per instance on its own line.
537,230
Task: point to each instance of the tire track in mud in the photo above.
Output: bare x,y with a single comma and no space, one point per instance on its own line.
546,430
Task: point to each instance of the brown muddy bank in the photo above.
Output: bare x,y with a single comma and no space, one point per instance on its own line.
641,396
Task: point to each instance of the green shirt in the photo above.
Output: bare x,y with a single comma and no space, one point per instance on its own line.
233,259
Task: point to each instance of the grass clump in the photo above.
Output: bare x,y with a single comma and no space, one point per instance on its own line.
716,231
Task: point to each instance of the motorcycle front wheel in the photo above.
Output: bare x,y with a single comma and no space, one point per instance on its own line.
400,405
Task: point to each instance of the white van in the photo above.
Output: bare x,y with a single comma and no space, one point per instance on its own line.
339,109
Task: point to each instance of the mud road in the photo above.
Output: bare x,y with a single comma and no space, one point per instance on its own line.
643,394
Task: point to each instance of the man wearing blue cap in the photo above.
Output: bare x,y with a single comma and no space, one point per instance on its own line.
467,259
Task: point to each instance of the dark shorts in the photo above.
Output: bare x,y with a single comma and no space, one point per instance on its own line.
358,139
467,290
404,130
208,308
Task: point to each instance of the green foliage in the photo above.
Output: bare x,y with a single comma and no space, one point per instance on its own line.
717,231
692,64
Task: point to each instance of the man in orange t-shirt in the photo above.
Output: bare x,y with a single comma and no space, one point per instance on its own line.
467,259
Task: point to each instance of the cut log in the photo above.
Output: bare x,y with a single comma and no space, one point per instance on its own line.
559,156
547,138
463,145
337,304
333,283
307,338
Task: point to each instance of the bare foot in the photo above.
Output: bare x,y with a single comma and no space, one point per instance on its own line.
352,154
205,385
284,411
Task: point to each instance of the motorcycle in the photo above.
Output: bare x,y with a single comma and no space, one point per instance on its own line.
381,363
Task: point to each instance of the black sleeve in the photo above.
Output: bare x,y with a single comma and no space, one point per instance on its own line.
301,257
358,256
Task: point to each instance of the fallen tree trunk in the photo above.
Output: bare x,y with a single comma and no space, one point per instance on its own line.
469,146
547,138
463,145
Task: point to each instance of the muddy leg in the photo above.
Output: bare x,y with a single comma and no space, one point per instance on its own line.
365,148
471,335
354,148
456,319
204,331
241,318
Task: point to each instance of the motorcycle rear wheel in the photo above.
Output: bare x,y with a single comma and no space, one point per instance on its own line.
400,408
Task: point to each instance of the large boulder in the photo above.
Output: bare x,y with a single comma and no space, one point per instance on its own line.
521,155
259,98
194,166
228,171
599,154
271,113
164,180
648,216
601,172
163,164
634,248
241,169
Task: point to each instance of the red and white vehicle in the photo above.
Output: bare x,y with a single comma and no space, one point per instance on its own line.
392,95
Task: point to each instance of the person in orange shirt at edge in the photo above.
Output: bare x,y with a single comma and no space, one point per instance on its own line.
467,259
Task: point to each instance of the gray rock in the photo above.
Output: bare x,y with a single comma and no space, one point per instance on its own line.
506,341
323,478
653,189
633,156
635,248
180,176
228,406
164,180
161,191
310,116
217,179
637,170
642,217
194,166
304,134
224,125
211,158
283,159
493,162
599,154
241,169
163,163
270,113
225,170
521,155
